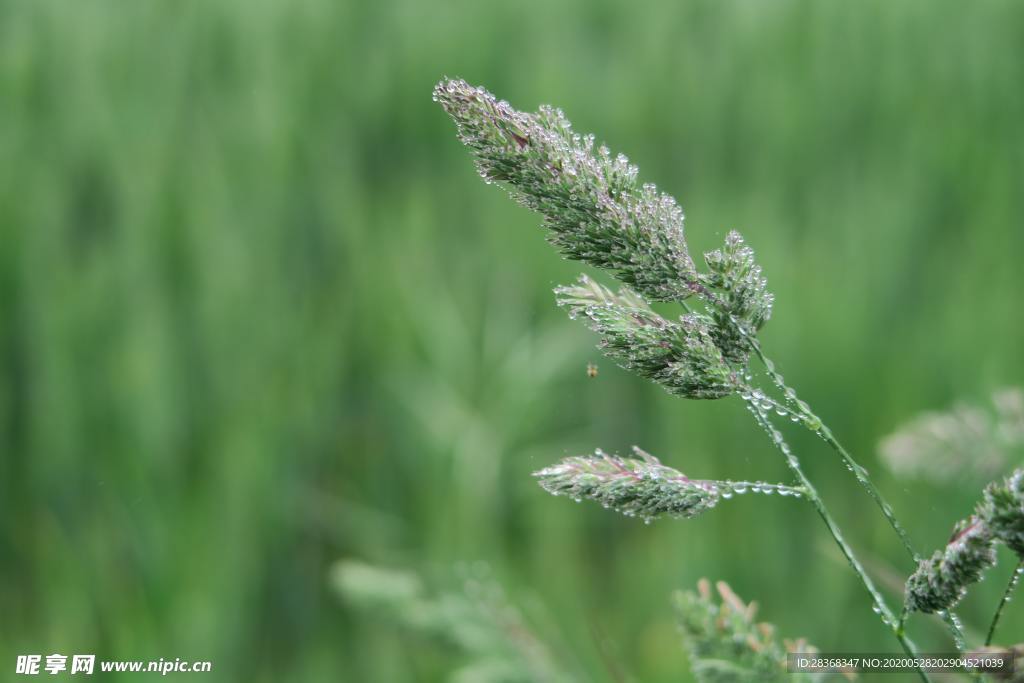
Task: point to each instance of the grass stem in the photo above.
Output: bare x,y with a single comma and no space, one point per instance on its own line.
880,606
1014,580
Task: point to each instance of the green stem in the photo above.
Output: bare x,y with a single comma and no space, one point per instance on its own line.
953,622
1014,579
880,605
904,613
810,420
815,423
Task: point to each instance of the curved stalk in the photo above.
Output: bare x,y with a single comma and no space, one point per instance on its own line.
815,423
1014,580
880,606
952,621
811,421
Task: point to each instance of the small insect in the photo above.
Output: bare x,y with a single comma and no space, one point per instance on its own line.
591,370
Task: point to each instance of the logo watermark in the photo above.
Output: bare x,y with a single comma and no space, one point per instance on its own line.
86,664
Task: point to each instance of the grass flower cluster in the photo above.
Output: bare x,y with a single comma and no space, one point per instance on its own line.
1003,511
726,644
942,580
592,203
597,211
681,355
643,487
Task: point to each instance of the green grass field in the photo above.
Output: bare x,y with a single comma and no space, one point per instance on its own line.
258,313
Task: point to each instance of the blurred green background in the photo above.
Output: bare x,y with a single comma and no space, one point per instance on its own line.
258,313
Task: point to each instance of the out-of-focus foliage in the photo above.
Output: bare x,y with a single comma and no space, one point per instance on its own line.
1015,676
726,645
257,312
966,443
476,620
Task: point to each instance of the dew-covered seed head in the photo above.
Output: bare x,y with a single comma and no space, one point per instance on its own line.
725,642
639,486
592,203
941,580
1002,508
742,303
680,354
